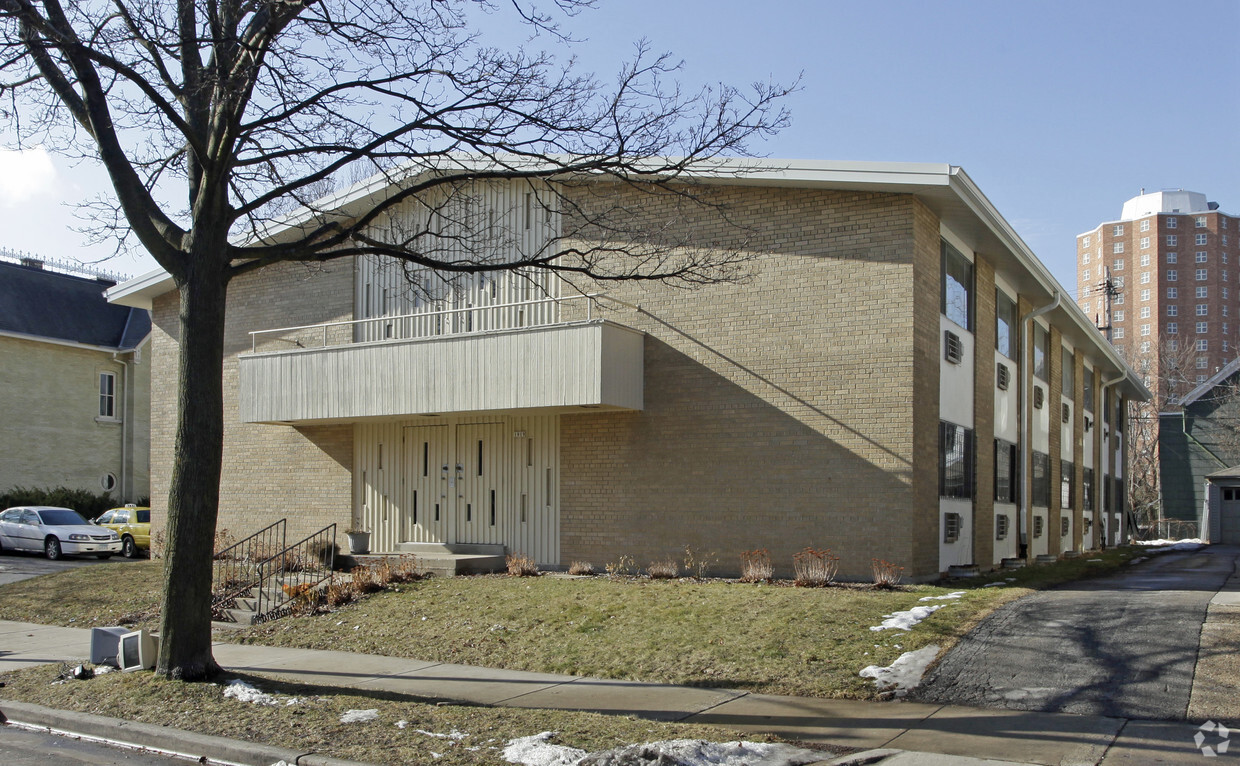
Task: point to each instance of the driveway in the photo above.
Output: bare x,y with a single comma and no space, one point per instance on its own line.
1123,646
17,565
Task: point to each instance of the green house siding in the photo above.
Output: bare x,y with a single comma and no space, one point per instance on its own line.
1200,441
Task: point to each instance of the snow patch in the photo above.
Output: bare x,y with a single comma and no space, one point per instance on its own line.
453,735
903,674
907,619
1161,546
244,692
993,584
538,751
948,597
360,716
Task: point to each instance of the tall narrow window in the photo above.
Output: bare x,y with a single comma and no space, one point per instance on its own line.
1005,320
107,395
1068,376
1040,348
1067,497
1041,479
955,460
1007,473
957,290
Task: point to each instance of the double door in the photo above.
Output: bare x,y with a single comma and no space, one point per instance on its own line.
454,483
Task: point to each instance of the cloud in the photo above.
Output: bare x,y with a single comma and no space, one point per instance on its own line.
24,175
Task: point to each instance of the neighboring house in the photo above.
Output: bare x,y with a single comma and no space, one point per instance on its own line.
901,379
77,378
1197,442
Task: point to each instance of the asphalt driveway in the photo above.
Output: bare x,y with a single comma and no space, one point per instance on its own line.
18,565
1123,646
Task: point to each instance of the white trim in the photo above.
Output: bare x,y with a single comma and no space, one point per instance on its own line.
70,343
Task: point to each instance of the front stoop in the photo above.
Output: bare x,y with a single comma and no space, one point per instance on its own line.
441,559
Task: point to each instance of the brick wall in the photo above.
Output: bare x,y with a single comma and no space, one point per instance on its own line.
984,415
269,471
778,413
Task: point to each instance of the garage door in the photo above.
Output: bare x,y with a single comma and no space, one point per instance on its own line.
1229,516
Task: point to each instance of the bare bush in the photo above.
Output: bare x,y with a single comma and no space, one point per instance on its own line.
663,570
886,574
365,580
583,568
521,565
698,564
756,566
815,568
341,593
620,567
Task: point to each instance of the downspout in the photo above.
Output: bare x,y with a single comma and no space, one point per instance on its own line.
125,426
1026,418
1110,453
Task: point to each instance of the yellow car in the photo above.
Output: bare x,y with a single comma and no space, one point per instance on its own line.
133,525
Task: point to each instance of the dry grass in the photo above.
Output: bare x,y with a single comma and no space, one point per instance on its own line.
756,566
313,722
815,568
86,597
520,565
581,569
663,570
886,574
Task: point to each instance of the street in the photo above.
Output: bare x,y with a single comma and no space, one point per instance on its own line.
23,747
16,565
1123,646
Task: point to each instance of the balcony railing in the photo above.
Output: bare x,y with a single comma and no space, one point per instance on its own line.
465,320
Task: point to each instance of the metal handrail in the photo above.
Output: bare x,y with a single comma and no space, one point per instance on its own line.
590,298
311,562
234,569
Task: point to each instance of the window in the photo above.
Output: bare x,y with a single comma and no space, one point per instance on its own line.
1117,315
1172,257
1005,320
1203,328
1041,479
1145,347
1085,276
1225,347
1203,309
1172,222
1172,328
1201,256
1117,283
1145,225
1202,291
1171,275
107,395
1085,242
1067,375
1200,379
1201,275
1201,239
957,296
1117,333
1224,293
1224,275
1172,240
1007,463
1118,299
1173,344
1118,229
1145,329
1145,312
1173,310
1173,292
1084,257
1203,344
1145,259
955,460
1087,489
1224,309
1200,222
1088,386
1203,362
1066,474
1040,348
1224,328
1224,256
1145,295
1117,247
1145,277
1145,242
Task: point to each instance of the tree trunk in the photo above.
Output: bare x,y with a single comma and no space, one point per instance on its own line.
193,499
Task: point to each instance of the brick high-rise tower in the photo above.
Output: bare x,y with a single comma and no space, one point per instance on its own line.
1172,261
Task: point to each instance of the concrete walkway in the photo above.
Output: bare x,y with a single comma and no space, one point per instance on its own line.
922,728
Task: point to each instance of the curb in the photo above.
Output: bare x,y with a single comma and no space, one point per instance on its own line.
160,738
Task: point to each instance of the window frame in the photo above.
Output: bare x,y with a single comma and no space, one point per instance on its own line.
956,484
949,255
107,396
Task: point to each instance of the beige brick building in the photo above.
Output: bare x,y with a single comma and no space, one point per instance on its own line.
77,378
893,338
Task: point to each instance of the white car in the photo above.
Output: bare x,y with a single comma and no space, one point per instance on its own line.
55,532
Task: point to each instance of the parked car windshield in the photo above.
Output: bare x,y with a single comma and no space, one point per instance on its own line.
61,517
144,517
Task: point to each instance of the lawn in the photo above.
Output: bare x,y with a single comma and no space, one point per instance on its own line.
774,639
451,735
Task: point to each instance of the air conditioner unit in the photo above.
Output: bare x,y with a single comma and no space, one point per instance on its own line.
1067,414
953,349
1003,377
1039,397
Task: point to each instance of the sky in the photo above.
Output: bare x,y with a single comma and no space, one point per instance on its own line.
1059,111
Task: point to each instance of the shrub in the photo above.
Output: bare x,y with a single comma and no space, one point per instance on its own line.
405,569
341,593
365,581
89,504
157,544
583,568
699,564
756,566
663,570
620,567
520,565
886,574
223,541
815,568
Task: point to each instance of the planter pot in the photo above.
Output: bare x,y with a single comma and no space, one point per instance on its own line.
359,542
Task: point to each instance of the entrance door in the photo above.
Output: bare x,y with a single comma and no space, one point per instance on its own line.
480,491
1229,516
425,510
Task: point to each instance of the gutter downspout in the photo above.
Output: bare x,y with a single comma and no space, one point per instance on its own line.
1110,453
1026,418
125,426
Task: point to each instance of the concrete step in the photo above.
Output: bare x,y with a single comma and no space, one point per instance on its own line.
241,617
431,549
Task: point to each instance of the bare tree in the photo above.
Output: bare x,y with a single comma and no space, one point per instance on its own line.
252,108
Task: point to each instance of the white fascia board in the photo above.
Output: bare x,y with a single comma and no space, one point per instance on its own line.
69,343
1227,371
140,291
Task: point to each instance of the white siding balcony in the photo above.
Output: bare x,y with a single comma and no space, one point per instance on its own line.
562,367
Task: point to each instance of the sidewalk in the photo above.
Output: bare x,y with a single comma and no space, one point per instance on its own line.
923,729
